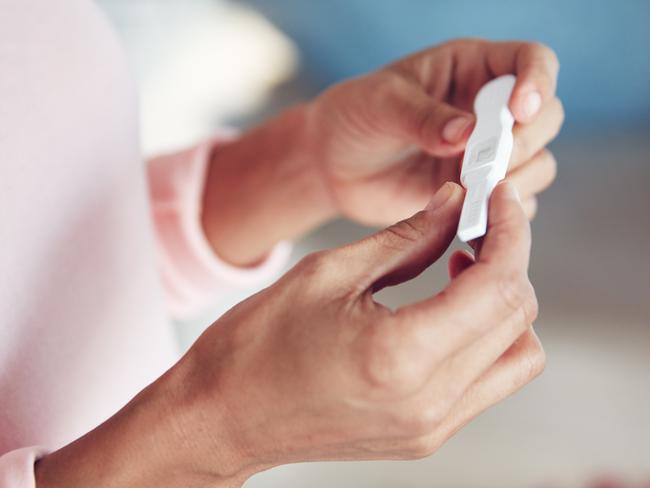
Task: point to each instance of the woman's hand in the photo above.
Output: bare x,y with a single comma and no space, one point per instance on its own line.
312,368
386,141
376,148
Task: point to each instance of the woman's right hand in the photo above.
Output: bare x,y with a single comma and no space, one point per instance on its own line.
312,368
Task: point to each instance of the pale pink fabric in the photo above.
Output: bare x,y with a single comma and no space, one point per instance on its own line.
87,278
190,273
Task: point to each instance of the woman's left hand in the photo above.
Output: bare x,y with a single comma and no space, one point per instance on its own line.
383,143
376,148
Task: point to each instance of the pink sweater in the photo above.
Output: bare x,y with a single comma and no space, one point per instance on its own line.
88,280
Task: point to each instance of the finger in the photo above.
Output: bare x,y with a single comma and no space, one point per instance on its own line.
530,207
489,291
415,180
529,139
522,362
506,245
536,67
459,262
536,175
537,70
406,110
471,361
518,366
404,250
441,129
515,368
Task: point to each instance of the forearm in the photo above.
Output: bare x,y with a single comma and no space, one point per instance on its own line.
261,189
157,440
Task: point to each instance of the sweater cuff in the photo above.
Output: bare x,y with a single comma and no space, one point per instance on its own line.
17,467
192,274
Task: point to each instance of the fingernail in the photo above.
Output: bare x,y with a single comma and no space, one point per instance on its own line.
532,103
442,195
455,130
511,191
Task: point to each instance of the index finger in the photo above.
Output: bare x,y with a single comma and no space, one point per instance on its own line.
487,293
536,67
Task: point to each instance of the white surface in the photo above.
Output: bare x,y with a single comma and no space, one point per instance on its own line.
487,154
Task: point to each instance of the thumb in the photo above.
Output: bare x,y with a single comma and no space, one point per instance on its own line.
445,130
438,128
403,250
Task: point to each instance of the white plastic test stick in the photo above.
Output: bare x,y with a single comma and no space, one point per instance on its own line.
487,154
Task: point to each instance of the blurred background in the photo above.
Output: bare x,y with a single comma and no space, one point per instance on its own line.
205,64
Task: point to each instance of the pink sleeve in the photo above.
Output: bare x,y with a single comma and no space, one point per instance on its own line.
17,467
192,274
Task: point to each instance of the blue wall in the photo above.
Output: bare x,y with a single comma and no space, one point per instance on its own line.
604,46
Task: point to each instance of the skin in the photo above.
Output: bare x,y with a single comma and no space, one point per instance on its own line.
372,148
312,368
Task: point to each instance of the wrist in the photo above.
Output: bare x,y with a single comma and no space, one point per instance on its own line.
156,440
264,188
206,435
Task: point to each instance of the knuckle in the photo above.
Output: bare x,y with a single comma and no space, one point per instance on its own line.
530,207
405,232
531,306
419,448
513,230
454,44
389,369
553,58
470,42
522,147
517,294
375,83
546,53
424,420
551,165
385,373
543,63
424,124
383,85
533,363
548,81
314,264
537,361
427,122
378,358
545,165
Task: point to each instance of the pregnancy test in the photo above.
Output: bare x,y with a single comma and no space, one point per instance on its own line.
487,154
